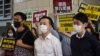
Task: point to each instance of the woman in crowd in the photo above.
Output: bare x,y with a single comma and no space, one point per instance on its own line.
10,34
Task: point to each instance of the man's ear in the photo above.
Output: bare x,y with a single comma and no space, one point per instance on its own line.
50,26
85,24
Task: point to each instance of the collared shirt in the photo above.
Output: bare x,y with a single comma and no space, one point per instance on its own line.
50,46
81,36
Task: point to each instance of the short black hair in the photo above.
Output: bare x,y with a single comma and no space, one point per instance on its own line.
81,17
23,16
50,20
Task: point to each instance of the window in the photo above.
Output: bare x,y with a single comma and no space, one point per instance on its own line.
17,1
7,11
1,2
1,12
7,6
7,1
1,7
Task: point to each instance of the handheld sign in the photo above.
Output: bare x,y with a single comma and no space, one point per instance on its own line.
7,43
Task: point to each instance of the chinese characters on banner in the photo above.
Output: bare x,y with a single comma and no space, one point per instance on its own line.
7,43
39,14
62,6
66,22
93,12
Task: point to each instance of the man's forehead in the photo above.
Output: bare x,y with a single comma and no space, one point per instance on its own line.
44,20
17,18
76,20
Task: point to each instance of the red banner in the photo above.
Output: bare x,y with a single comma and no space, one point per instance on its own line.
38,15
62,6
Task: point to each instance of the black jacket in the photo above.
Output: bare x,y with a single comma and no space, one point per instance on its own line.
86,46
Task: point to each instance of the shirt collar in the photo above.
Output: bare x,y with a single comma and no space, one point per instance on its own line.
47,37
81,36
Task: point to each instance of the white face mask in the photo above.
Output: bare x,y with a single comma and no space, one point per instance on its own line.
43,28
77,28
10,34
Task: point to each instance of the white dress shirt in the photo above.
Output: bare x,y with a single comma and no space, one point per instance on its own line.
50,46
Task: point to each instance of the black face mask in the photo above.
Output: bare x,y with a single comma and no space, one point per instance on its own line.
17,24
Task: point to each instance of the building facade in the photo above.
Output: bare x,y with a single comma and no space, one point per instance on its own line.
6,12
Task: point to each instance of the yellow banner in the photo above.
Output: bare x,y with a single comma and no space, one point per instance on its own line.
66,22
93,12
7,43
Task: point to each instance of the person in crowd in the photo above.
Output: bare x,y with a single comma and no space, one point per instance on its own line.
24,37
83,43
10,34
34,31
52,30
64,39
94,26
91,28
47,44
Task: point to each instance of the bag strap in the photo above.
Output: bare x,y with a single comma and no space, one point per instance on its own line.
23,34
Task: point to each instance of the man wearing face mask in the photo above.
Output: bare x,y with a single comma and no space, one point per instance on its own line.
24,37
47,44
83,43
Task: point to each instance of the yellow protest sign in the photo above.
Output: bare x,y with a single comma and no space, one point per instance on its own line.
1,41
8,43
93,12
29,24
66,22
